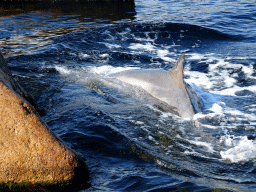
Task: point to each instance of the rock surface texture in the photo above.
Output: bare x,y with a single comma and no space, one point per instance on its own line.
29,150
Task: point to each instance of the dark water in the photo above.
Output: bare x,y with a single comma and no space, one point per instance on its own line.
64,57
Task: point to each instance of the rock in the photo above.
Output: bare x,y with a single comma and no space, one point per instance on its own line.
6,78
29,151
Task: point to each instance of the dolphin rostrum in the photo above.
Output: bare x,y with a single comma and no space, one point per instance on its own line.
163,85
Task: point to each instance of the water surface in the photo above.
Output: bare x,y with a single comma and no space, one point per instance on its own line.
65,59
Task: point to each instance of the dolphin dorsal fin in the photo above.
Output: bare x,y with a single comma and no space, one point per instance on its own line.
177,73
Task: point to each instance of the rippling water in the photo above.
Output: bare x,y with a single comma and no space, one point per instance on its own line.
65,59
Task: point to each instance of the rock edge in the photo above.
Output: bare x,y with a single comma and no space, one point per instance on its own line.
29,151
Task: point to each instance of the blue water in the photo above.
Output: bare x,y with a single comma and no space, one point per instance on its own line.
65,58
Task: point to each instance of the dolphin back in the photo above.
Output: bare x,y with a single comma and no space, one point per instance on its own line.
168,87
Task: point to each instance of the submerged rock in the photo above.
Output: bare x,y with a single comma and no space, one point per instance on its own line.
29,151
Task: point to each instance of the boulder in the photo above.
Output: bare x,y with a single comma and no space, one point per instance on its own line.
29,151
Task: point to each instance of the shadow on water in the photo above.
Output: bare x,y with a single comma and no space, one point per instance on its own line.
104,10
29,25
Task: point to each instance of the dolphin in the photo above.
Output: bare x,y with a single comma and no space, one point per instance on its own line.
167,86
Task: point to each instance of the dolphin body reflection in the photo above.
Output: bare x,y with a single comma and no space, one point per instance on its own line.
168,87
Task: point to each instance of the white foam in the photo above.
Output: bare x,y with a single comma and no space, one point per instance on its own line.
220,64
104,55
229,81
143,47
111,46
227,140
201,80
63,70
243,151
136,122
110,36
248,70
253,123
196,56
219,80
235,112
232,91
199,116
163,53
251,117
208,146
216,108
252,110
144,39
84,55
229,91
126,31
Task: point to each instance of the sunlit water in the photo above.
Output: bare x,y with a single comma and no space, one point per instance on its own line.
66,60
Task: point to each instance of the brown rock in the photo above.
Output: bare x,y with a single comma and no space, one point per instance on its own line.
29,150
